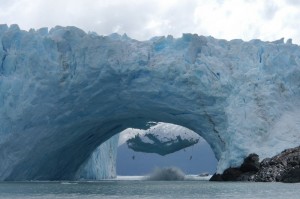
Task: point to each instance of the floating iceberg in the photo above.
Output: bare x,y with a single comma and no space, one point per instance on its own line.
64,92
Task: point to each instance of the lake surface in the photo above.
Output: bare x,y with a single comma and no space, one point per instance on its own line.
147,189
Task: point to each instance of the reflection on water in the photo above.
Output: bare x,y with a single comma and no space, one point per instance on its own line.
147,189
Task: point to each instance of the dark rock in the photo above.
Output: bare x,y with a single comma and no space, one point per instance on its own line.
272,173
244,173
284,167
272,162
231,174
216,177
248,176
292,176
265,162
251,163
280,168
293,163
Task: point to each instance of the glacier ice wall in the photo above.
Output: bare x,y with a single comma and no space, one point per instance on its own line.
64,92
102,163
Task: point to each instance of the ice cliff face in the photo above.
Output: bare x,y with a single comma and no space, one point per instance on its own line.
64,92
102,162
163,139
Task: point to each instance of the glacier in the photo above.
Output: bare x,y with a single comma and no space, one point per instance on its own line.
102,163
64,92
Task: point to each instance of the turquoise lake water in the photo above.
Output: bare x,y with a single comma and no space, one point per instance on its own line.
148,189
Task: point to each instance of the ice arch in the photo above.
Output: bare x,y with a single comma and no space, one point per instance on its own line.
64,92
161,138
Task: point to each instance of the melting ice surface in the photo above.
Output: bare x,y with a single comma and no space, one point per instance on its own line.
64,92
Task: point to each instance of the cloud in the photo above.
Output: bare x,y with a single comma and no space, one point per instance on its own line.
270,9
143,19
293,2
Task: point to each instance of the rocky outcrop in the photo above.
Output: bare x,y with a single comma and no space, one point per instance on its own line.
284,167
292,176
245,172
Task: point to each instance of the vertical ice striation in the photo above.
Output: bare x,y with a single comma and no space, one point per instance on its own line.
64,92
102,163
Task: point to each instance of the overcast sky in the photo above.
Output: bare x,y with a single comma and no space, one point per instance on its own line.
143,19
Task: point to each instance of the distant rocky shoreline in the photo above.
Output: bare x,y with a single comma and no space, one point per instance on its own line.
284,167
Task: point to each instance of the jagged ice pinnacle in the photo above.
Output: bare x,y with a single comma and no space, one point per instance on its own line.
64,92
